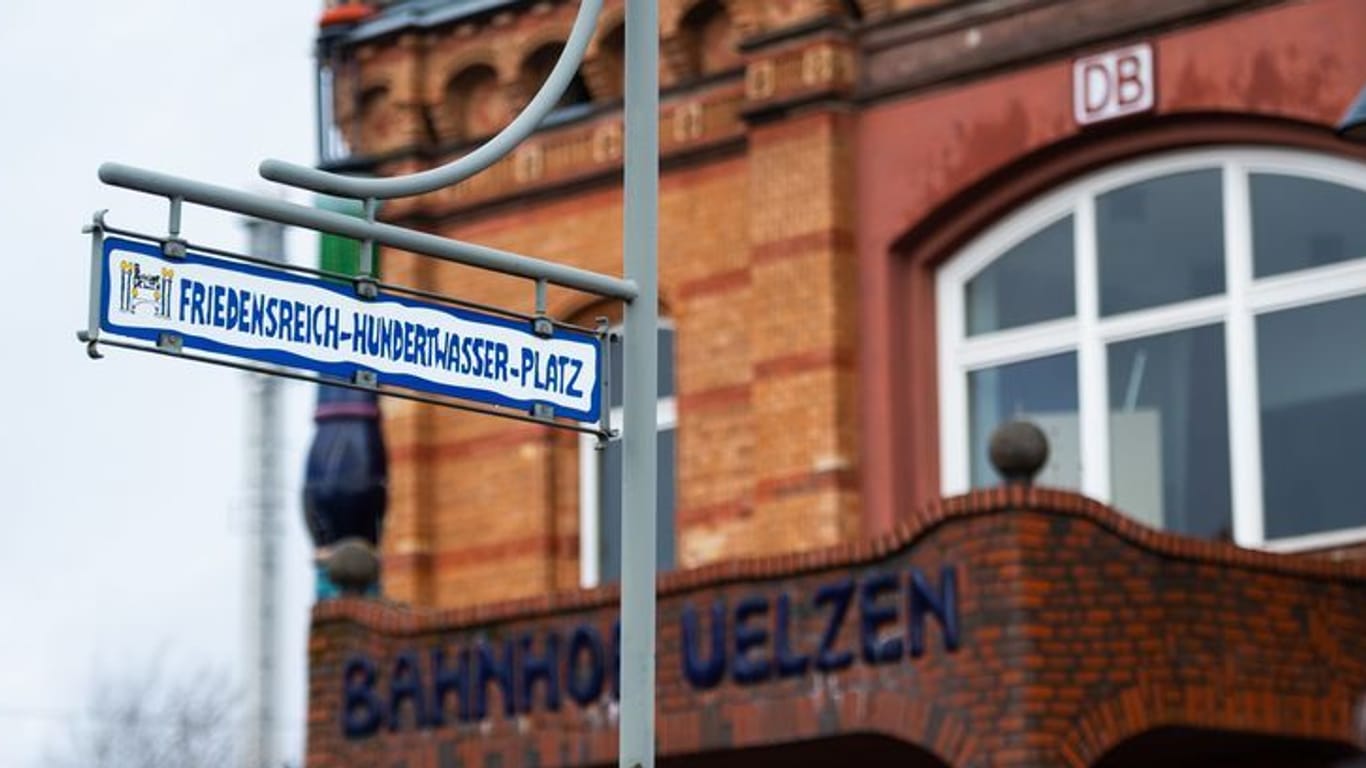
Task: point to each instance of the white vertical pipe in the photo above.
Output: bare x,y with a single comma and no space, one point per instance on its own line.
266,240
641,388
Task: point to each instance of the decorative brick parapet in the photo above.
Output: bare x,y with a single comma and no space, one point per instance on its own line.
1006,627
989,502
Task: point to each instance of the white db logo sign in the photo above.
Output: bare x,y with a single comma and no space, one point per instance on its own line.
1113,84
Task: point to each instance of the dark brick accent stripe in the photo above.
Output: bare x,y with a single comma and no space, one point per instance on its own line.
803,362
721,282
839,240
479,554
711,513
510,437
771,489
717,397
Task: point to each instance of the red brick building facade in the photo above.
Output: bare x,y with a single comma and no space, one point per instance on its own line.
886,227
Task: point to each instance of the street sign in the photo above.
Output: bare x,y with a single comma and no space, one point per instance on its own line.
281,318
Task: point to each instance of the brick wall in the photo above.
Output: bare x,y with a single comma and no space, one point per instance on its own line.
806,416
756,256
1075,630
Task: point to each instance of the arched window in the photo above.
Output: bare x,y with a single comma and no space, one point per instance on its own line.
537,68
712,40
474,104
1189,330
600,545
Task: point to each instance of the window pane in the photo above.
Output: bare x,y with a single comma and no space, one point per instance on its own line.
667,479
615,358
1169,457
609,489
1029,283
666,362
1311,374
666,365
1043,391
609,501
1300,223
1161,241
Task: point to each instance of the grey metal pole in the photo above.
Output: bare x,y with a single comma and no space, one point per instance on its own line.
266,240
639,513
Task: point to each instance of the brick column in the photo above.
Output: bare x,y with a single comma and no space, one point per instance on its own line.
801,332
406,543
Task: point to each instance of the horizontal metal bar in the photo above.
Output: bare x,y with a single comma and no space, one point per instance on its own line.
345,278
490,152
331,382
213,196
421,294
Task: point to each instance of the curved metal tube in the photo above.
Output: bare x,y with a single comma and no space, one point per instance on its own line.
455,171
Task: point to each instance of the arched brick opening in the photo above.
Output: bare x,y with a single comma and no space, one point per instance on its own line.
605,67
1180,747
912,418
859,749
536,68
710,39
1222,720
997,698
473,104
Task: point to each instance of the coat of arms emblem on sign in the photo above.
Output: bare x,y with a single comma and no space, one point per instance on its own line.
138,288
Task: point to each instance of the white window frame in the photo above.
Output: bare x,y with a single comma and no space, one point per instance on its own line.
1087,334
590,495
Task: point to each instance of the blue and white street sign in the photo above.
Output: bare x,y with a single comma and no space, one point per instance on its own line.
282,318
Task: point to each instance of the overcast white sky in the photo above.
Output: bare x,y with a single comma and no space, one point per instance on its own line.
122,481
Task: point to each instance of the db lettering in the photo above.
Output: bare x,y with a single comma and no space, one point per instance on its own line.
1113,84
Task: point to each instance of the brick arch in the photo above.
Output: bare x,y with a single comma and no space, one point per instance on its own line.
472,117
937,730
537,38
521,88
676,43
874,9
446,69
1224,705
608,21
604,68
910,424
671,15
830,749
968,714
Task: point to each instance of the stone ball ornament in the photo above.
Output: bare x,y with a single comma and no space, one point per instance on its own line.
1018,450
352,565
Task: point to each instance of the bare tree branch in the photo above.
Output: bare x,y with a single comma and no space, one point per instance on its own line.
141,720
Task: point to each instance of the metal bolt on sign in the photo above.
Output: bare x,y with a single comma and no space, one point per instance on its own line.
638,289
